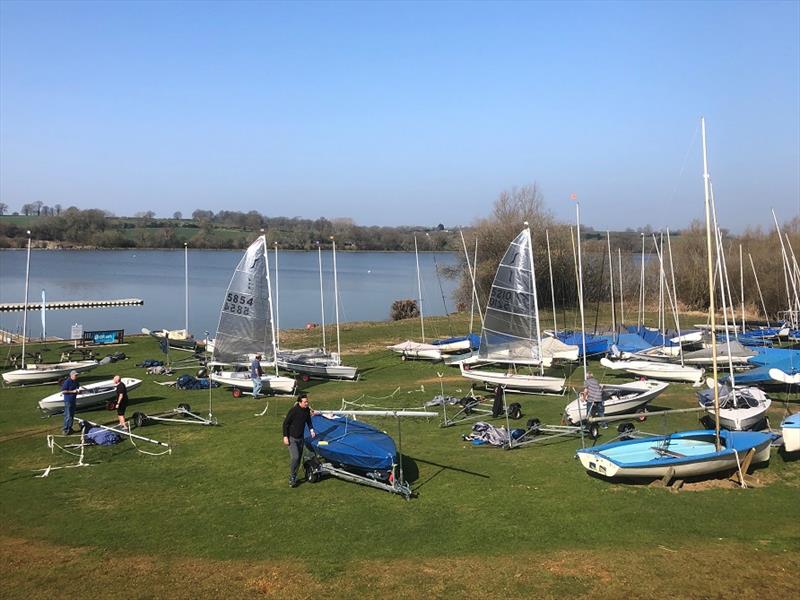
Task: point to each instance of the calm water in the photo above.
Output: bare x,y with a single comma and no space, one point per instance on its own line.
368,284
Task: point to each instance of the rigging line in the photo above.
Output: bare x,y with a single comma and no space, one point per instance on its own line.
683,164
441,289
602,274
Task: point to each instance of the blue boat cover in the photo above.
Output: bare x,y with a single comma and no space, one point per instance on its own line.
595,344
632,342
474,340
351,443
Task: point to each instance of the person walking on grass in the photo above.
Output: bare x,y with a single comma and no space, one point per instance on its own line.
122,400
69,390
255,375
592,394
293,428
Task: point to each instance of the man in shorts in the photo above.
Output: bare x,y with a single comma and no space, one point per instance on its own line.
122,400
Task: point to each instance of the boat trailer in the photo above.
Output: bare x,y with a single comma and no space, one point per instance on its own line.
181,415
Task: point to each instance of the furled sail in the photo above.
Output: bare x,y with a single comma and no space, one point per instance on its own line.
511,329
245,319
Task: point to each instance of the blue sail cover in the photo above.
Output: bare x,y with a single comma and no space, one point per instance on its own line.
784,359
351,443
474,340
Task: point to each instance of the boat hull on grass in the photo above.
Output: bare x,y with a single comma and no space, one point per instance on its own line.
656,370
275,384
790,429
89,396
350,443
515,382
618,399
416,350
41,373
686,453
318,369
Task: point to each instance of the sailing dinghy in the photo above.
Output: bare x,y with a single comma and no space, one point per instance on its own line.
246,326
656,370
740,409
790,429
511,336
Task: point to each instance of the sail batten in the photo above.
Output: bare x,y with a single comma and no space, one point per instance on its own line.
510,331
245,320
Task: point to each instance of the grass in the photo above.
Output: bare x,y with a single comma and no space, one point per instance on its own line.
216,517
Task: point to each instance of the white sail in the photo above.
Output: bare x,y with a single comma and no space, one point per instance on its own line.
245,318
510,330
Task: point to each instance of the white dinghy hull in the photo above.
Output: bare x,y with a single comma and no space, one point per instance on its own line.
90,395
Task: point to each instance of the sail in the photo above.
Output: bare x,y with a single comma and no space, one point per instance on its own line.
510,330
245,318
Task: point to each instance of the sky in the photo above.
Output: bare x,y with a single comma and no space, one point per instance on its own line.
403,113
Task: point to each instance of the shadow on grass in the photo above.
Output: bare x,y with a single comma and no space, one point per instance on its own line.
411,471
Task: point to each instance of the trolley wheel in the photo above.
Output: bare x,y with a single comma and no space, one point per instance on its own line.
594,431
533,426
202,372
305,377
185,407
641,415
403,357
139,419
311,467
236,393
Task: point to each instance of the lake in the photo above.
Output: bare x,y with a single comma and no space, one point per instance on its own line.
368,284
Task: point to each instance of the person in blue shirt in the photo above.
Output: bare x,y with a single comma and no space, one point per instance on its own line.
255,375
69,390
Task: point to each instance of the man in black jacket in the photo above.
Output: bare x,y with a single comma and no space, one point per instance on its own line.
293,428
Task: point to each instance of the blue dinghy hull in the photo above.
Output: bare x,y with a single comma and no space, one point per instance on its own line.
689,453
352,444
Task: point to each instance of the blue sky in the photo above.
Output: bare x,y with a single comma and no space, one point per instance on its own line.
402,113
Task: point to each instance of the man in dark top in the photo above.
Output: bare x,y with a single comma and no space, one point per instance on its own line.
293,428
122,400
255,375
69,389
593,395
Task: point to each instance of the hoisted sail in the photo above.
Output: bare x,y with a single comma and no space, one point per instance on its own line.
245,319
510,330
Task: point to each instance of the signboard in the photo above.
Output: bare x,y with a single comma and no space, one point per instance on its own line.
111,336
76,332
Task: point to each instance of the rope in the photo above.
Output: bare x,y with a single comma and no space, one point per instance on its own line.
167,451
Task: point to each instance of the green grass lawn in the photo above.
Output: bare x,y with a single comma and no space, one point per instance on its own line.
216,518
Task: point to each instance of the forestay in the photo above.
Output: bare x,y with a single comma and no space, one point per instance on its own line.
511,325
245,319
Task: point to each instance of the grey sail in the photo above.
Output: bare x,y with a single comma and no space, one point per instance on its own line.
510,330
245,318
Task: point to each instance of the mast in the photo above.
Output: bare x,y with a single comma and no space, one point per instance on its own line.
472,270
611,284
711,306
419,289
25,307
675,296
472,301
785,265
621,300
640,322
263,239
277,299
741,284
321,295
186,286
552,287
535,298
758,287
336,299
580,284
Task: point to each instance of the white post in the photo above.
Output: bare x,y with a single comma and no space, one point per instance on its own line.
419,289
277,299
336,298
621,297
580,286
641,289
25,307
552,287
186,286
321,296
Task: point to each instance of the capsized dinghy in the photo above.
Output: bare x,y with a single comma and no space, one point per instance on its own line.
90,395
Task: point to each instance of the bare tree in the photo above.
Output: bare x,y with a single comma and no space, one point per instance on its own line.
37,206
177,215
57,208
3,208
27,209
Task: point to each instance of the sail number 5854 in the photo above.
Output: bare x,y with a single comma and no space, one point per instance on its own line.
238,304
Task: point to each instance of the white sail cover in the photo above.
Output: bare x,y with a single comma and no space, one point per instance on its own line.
510,332
245,319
